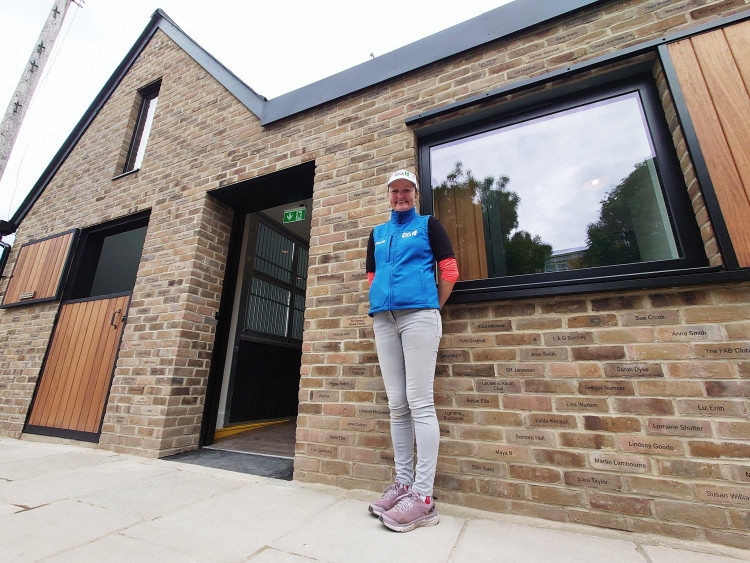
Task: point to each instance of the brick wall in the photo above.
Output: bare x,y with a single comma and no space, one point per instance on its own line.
158,391
624,410
603,410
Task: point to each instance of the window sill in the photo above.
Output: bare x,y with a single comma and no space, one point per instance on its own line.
128,173
632,282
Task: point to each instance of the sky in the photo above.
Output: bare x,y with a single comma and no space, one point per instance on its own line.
274,47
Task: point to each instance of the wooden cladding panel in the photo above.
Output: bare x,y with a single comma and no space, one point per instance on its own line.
38,270
74,384
714,73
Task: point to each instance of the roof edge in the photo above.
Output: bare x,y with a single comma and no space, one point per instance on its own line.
244,93
159,20
83,124
495,24
480,30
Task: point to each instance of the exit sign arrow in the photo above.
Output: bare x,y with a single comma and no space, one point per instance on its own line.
294,215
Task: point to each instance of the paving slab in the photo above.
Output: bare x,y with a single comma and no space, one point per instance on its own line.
234,525
72,482
45,531
7,508
82,504
485,540
346,528
15,450
44,465
117,548
270,555
161,494
664,554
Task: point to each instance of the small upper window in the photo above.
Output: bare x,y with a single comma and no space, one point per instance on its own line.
584,189
145,119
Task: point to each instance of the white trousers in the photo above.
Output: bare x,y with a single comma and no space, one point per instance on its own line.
407,343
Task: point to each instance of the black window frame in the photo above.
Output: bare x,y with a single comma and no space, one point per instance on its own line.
88,253
147,95
602,278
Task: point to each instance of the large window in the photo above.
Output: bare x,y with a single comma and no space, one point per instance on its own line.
586,187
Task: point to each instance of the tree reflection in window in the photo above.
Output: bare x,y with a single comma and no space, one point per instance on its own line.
631,225
535,195
507,250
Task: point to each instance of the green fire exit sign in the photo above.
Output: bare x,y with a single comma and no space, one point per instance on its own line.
294,215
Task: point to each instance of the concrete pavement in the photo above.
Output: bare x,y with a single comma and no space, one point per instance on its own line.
62,502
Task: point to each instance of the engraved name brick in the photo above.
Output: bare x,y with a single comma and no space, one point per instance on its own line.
605,387
711,408
691,333
650,318
634,369
452,416
477,401
471,341
679,427
528,436
373,411
568,338
593,480
336,438
581,404
724,351
358,322
736,496
502,452
343,334
631,464
498,385
339,383
543,354
650,445
553,420
321,451
358,371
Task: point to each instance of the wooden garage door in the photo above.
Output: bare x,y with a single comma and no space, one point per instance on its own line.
75,381
713,70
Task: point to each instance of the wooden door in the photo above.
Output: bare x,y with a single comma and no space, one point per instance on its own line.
74,385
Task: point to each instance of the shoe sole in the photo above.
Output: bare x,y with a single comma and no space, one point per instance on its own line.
374,512
424,522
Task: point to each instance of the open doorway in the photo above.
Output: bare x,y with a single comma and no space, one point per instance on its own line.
260,386
252,402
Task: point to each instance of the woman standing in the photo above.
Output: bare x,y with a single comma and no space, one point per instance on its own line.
405,305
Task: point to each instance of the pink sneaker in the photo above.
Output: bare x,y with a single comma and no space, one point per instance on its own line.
410,512
388,500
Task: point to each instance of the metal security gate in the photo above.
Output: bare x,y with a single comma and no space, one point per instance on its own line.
268,350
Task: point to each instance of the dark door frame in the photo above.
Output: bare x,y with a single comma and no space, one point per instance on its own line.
278,188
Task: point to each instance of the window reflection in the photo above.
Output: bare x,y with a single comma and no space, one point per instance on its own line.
574,189
144,122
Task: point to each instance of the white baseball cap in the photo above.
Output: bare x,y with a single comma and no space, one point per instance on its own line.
403,175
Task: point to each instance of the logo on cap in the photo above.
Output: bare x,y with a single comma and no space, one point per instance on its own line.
403,175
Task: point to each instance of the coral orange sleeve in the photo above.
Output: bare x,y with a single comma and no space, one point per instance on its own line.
370,277
448,269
